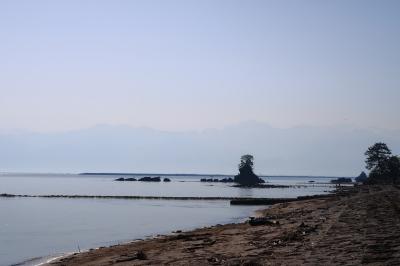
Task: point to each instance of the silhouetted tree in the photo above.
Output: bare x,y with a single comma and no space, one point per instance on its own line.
246,176
384,167
387,172
376,154
246,160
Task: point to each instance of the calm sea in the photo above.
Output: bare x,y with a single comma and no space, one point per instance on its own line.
33,228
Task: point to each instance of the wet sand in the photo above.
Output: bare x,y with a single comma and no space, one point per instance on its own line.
359,226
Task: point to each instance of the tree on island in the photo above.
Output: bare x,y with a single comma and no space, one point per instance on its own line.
246,176
385,168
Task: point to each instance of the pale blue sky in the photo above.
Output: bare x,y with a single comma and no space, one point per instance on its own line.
184,65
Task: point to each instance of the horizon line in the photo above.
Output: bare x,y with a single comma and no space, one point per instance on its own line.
168,174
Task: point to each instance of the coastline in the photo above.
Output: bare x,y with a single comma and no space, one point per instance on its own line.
43,260
47,259
55,259
354,226
50,259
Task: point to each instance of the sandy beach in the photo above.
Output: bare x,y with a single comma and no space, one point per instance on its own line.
359,226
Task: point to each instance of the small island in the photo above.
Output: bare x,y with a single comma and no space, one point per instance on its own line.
246,176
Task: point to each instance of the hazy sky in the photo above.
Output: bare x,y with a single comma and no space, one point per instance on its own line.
182,65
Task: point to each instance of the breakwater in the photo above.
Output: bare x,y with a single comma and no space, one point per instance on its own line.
233,200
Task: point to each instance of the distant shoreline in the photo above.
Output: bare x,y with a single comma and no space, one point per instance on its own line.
160,174
221,175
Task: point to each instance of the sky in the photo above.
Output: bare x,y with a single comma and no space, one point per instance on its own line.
193,65
190,86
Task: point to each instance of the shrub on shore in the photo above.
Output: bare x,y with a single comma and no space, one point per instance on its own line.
362,177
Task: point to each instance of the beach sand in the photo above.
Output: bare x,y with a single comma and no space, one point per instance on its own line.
359,226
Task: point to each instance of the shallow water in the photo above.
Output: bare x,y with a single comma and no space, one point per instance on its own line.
36,227
39,227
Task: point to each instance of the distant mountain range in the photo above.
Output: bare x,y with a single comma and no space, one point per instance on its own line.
317,151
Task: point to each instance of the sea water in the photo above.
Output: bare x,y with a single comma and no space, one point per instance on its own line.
181,186
37,227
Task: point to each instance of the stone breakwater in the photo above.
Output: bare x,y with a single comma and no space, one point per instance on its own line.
233,200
